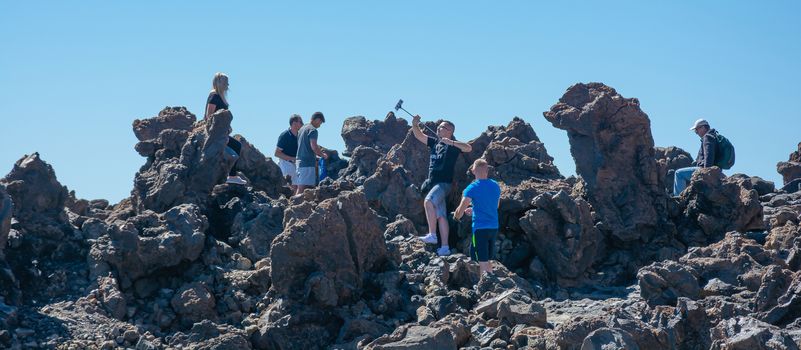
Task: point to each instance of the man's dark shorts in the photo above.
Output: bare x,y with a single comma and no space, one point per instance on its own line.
482,247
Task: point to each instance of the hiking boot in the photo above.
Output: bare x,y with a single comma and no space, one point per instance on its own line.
430,238
444,251
236,180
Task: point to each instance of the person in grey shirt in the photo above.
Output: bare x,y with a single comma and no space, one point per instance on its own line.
308,150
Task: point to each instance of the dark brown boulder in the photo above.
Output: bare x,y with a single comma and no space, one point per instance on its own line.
262,173
668,159
185,161
746,333
732,265
714,205
170,118
362,164
664,282
517,200
762,186
167,179
327,254
736,260
9,287
412,155
784,236
415,338
194,303
611,142
515,152
609,339
393,191
6,211
786,307
562,233
382,135
776,284
112,299
393,186
36,192
247,220
791,169
42,236
148,243
206,334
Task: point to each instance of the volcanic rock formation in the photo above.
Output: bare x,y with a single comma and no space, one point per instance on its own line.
791,171
599,261
610,139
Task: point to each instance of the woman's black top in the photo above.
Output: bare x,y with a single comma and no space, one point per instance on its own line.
217,101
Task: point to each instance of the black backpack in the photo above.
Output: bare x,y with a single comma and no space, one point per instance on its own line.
724,152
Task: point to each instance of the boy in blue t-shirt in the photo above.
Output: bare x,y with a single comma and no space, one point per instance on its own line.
485,195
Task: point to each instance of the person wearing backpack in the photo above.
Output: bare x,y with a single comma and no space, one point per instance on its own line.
716,150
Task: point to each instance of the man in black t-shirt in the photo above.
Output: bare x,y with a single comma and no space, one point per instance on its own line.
287,150
443,151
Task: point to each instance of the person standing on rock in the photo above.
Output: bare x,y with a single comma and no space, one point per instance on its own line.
216,101
287,149
443,152
710,154
485,196
308,151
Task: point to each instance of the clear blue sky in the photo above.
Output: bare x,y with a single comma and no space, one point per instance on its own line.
75,74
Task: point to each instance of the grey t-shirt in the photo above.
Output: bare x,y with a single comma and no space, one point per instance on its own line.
306,155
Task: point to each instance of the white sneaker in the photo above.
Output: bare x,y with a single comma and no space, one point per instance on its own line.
430,238
444,251
236,180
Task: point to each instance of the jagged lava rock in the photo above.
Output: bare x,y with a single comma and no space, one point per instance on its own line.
515,152
9,287
362,164
746,333
36,192
177,118
328,252
185,164
41,238
791,170
263,174
6,211
610,140
382,135
148,242
563,235
169,179
669,159
714,205
664,282
249,220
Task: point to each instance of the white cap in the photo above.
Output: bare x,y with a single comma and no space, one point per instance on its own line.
700,122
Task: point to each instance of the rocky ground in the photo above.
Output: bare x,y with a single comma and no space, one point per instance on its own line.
604,260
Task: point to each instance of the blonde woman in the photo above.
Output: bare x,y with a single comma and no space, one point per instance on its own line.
217,100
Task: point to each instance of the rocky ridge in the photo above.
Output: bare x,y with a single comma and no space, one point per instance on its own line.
604,260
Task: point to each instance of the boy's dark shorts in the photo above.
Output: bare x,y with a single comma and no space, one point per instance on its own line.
482,246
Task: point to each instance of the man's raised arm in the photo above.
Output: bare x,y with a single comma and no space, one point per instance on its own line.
418,134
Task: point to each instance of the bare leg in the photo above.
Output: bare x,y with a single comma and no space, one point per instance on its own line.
431,216
485,267
300,189
443,230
